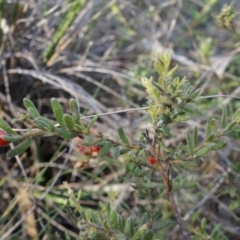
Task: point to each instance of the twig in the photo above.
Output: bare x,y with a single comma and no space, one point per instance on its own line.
177,216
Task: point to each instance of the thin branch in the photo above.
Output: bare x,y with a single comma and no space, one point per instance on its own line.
178,217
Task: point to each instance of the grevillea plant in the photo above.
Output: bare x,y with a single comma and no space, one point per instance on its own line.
152,167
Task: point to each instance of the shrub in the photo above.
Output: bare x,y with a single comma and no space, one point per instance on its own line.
154,169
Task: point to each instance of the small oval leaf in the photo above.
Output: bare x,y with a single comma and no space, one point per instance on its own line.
141,231
113,219
208,128
105,150
195,94
218,145
224,117
129,226
124,150
58,112
122,136
195,136
229,127
144,219
69,122
66,134
94,119
29,104
44,123
33,113
214,126
181,118
75,110
19,148
4,125
164,147
236,116
202,152
12,138
190,144
148,235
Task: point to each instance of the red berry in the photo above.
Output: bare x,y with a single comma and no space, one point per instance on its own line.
3,143
152,160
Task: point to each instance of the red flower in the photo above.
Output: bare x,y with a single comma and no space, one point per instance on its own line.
95,150
85,150
91,151
152,160
3,143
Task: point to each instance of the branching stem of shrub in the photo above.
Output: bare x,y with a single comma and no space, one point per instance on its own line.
177,216
168,184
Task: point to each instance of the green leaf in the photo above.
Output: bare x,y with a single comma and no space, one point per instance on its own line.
166,222
4,125
116,152
218,145
190,144
216,232
58,112
236,116
94,119
195,93
129,226
159,68
33,113
98,235
181,118
157,215
113,219
120,236
44,123
234,205
149,235
29,104
75,110
144,219
208,128
12,138
195,216
122,136
68,122
170,73
103,207
121,223
224,117
105,150
106,224
124,150
89,140
164,147
19,148
88,215
144,173
229,127
195,136
210,138
166,131
141,231
202,152
63,133
214,126
203,225
81,127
